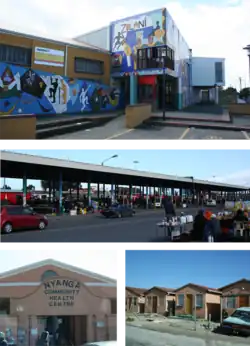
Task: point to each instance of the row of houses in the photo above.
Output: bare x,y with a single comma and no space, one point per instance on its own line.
183,300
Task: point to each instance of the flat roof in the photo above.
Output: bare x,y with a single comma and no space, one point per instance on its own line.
15,165
71,42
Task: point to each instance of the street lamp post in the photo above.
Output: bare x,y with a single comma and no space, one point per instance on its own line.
163,89
109,158
135,164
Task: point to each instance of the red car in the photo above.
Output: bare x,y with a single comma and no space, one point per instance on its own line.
15,217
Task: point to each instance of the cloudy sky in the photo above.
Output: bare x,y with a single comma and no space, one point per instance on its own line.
211,27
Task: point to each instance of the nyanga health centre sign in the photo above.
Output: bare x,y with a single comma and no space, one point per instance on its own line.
61,292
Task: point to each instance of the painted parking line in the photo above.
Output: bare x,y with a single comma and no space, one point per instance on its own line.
185,133
119,134
245,135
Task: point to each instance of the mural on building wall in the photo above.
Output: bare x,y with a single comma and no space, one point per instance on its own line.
26,91
131,34
176,41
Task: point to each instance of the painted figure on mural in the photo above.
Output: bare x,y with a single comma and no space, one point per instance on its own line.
53,89
84,99
118,41
127,52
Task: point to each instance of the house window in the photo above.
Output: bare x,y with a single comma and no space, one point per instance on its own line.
135,300
231,302
4,306
149,300
180,299
15,55
113,302
83,65
218,72
199,300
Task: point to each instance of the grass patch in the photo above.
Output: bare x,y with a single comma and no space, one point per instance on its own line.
130,319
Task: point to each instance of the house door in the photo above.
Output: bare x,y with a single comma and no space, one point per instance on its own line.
243,301
189,304
141,308
154,305
205,96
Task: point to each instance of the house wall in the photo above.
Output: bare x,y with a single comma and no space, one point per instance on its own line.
29,302
237,291
182,310
203,71
161,301
140,31
131,302
182,62
99,38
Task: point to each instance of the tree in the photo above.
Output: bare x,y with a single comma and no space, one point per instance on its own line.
244,93
30,187
66,185
6,187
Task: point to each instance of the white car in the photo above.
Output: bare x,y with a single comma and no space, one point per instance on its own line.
211,203
102,343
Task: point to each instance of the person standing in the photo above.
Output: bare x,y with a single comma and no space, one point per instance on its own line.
169,207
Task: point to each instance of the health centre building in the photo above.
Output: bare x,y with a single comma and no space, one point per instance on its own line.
151,61
72,304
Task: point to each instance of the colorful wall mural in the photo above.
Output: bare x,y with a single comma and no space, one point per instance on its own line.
130,34
27,91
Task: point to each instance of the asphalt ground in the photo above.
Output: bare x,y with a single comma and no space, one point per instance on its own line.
177,337
115,129
96,228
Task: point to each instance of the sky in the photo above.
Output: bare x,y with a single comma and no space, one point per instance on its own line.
212,28
229,166
173,269
98,261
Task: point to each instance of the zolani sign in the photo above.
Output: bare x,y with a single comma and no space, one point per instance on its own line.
61,292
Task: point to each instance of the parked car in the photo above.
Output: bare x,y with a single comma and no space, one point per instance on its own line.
118,210
211,203
15,217
238,322
102,343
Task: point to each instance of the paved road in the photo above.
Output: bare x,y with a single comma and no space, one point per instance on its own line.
96,228
143,337
116,129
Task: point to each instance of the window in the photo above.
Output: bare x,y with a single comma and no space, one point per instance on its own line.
113,303
155,57
48,274
14,211
218,72
231,302
27,211
180,299
199,300
135,300
15,55
149,300
83,65
4,306
242,315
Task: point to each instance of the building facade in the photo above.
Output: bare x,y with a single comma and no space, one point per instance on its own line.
71,303
203,301
152,62
235,295
42,76
160,300
135,300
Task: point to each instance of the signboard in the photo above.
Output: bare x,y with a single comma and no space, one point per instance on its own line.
49,57
61,292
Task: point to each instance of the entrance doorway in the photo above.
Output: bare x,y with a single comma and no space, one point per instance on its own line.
154,305
204,96
141,308
170,91
64,330
189,304
243,301
214,311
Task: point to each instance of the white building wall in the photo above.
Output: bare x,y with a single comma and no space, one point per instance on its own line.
203,72
99,38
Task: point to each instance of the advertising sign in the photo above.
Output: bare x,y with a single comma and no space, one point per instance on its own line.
61,292
49,57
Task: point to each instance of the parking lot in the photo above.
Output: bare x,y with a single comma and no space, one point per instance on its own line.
115,129
96,228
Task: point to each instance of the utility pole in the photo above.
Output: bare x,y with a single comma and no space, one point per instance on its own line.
240,80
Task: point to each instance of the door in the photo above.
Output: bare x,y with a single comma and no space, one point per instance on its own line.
29,218
189,304
204,96
15,216
154,305
243,301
